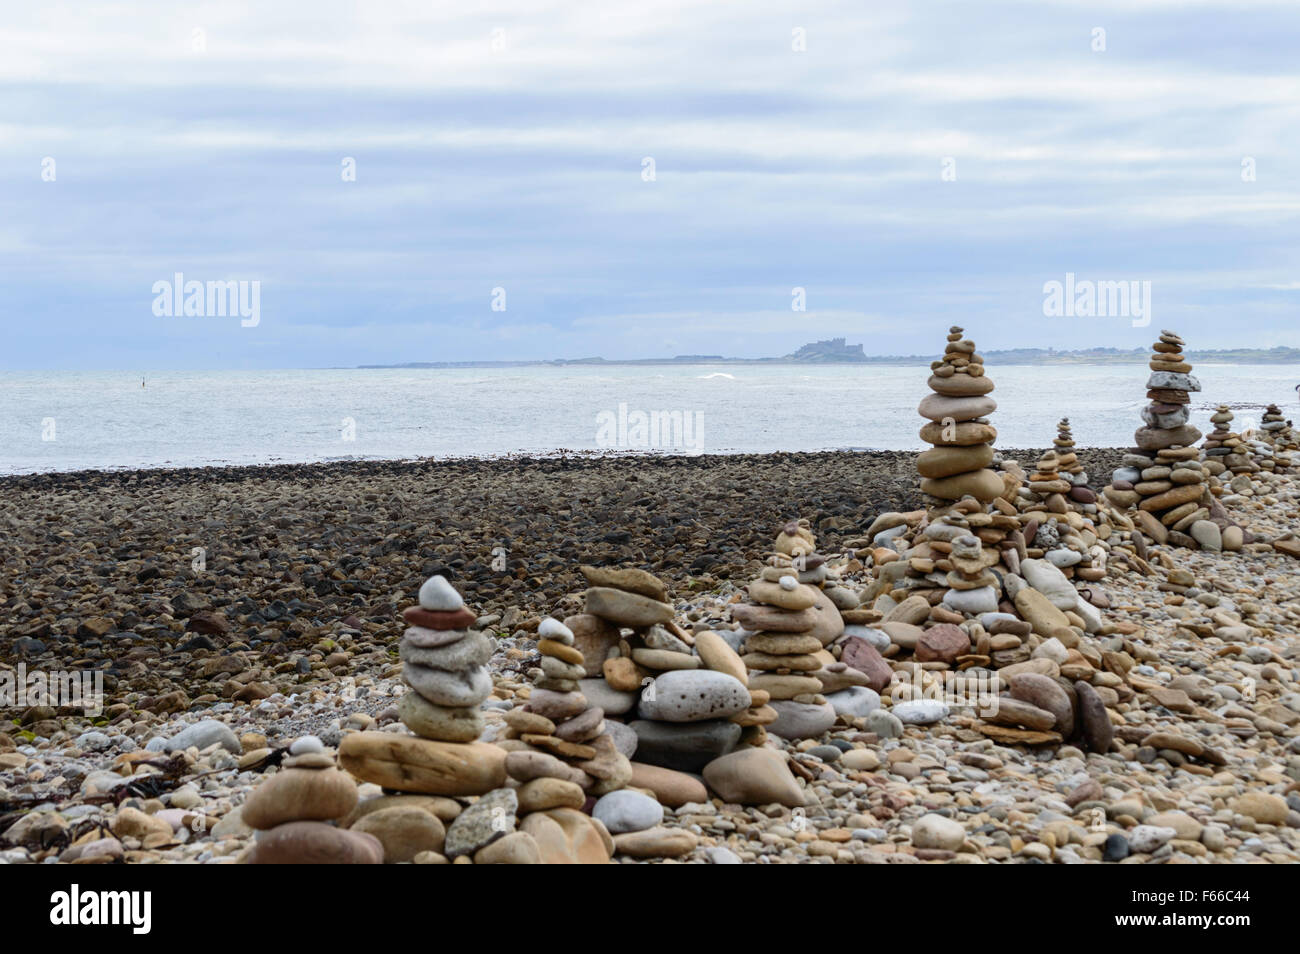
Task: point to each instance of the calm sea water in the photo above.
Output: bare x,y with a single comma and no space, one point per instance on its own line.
69,421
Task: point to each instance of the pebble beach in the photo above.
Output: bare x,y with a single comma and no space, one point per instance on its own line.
247,622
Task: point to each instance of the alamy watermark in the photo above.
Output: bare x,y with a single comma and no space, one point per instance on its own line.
660,430
1089,299
58,688
214,299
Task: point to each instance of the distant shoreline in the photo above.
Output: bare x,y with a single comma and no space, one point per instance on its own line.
1020,356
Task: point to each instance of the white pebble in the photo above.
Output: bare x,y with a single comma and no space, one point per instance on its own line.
439,596
305,744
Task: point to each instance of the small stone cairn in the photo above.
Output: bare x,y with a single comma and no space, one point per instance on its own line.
958,426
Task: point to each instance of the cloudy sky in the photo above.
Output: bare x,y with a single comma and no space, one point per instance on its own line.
507,147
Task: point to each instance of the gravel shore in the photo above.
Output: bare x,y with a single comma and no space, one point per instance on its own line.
267,599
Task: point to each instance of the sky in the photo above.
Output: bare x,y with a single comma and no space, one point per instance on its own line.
907,165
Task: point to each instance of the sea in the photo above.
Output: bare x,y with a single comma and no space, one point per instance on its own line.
67,421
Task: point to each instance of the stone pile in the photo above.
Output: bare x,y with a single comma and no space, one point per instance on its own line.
1277,433
1163,476
444,666
1059,517
1067,461
958,426
1226,451
294,811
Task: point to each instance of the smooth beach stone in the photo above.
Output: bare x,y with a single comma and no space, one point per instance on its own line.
948,461
623,736
1184,494
626,609
315,843
599,693
1045,693
1009,711
556,706
555,649
306,744
686,747
454,689
445,723
830,624
524,766
461,619
758,618
672,788
1152,438
938,832
439,595
300,794
966,434
582,727
943,642
1093,721
516,848
937,406
404,832
693,696
418,636
1047,578
981,599
781,686
408,764
201,735
626,578
656,843
855,702
489,818
862,656
558,669
754,776
567,837
983,485
594,638
920,711
662,659
784,644
626,810
542,794
767,662
799,720
884,724
773,594
1207,534
960,385
718,656
1038,610
522,720
474,650
875,637
444,809
552,628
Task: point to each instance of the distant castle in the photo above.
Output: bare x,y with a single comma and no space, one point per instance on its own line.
832,349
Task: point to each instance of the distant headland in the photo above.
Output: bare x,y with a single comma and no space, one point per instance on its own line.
838,351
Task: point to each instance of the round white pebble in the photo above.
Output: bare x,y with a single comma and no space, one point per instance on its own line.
306,743
439,596
789,583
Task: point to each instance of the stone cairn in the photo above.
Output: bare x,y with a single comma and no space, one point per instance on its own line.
1277,434
1067,462
1226,451
958,426
1163,476
784,630
444,664
294,811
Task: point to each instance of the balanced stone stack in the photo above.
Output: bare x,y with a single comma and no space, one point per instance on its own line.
958,426
784,634
1163,477
295,810
444,663
1067,461
559,721
1279,436
1060,519
1224,450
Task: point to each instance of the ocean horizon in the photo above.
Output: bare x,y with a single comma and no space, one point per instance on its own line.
68,421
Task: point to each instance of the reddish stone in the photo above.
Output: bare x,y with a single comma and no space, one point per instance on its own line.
208,624
862,656
439,619
942,643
